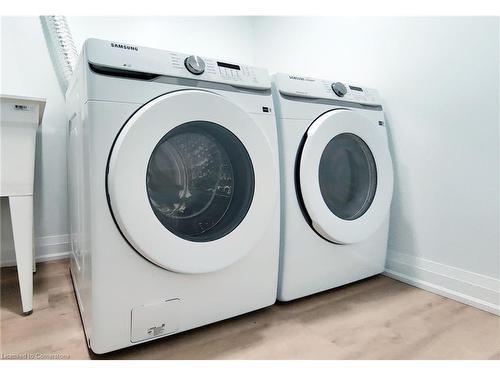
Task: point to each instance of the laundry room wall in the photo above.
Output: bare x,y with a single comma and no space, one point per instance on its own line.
26,69
440,83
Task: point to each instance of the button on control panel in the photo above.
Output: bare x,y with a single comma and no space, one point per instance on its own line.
236,73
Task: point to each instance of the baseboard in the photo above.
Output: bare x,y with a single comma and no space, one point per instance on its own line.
47,248
480,291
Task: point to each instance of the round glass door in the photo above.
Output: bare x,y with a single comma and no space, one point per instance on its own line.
347,176
200,181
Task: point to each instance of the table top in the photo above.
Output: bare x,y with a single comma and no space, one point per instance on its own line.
27,99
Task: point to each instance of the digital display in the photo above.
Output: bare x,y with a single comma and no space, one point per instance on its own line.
226,65
355,88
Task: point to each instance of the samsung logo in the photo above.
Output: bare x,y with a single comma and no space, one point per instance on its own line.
124,46
301,78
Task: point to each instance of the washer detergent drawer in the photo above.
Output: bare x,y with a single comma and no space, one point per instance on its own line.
155,320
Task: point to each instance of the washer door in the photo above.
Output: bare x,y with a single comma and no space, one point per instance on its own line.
345,176
192,184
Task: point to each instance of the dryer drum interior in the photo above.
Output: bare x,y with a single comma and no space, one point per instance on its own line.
347,176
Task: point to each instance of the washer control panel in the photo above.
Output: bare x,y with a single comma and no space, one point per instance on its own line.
220,71
174,64
307,87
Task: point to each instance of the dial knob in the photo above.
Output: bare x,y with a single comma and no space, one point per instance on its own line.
195,64
339,89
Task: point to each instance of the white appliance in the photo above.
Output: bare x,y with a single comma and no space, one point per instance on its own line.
337,182
174,192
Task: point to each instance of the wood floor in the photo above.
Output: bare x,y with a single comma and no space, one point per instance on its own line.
378,318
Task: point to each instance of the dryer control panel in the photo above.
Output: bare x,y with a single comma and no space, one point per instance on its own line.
133,58
307,87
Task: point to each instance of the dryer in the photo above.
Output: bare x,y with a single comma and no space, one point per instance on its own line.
174,192
337,183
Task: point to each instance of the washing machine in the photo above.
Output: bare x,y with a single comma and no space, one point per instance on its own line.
336,183
173,192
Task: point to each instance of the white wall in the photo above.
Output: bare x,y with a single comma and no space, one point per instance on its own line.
26,69
440,81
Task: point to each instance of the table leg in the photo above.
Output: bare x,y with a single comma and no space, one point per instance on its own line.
34,260
21,212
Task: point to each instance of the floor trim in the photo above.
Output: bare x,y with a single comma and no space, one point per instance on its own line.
480,291
47,248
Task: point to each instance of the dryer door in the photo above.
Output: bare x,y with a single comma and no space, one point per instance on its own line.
191,181
345,176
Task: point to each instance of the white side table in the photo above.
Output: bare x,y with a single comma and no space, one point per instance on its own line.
19,120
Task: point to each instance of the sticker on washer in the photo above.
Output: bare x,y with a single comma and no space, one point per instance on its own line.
156,331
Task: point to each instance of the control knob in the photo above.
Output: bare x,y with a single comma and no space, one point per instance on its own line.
339,89
195,64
